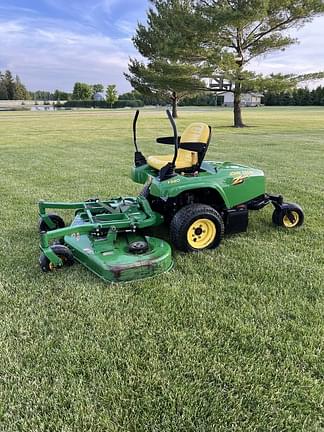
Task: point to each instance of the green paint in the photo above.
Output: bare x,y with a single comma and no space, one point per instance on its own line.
100,234
214,175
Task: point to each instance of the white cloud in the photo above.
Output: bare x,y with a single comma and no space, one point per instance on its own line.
48,56
126,27
53,53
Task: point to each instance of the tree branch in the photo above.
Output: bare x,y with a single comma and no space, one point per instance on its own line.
255,28
277,26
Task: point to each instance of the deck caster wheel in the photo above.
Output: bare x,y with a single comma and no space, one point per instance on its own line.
196,227
57,220
290,216
59,241
61,251
138,247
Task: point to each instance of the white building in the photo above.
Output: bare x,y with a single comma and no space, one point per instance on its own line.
99,96
247,99
225,96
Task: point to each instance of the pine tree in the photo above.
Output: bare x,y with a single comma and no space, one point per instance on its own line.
164,76
225,36
3,88
10,85
166,80
21,92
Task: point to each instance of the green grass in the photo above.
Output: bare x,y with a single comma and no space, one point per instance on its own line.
230,340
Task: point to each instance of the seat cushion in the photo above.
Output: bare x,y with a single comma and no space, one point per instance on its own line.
185,159
194,133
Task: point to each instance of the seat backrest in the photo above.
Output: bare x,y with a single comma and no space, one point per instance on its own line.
196,133
195,139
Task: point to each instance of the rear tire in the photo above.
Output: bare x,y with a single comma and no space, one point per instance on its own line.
291,216
61,251
57,220
196,227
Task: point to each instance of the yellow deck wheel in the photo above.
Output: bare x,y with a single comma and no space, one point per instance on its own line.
201,233
288,223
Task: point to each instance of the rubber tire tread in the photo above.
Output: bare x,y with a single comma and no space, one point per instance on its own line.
62,252
59,223
183,219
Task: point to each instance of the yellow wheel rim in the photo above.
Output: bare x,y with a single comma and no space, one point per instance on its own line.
288,223
201,233
51,266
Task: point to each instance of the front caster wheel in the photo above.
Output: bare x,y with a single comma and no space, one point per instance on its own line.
57,221
290,216
62,252
196,227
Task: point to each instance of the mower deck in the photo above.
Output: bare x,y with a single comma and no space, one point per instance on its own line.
105,238
111,259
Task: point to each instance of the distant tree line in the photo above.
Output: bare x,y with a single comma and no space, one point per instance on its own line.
12,88
50,96
299,97
83,95
86,96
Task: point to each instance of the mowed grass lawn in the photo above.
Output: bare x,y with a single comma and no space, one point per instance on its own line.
229,340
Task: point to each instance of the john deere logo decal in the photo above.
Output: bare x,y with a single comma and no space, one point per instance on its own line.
240,177
238,180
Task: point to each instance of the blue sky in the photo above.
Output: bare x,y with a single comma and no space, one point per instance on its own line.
53,43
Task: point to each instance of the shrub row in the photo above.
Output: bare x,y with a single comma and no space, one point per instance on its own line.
103,104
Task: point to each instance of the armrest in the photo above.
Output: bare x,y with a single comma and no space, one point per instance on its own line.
167,140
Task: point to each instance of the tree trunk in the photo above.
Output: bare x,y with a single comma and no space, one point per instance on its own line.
174,99
238,122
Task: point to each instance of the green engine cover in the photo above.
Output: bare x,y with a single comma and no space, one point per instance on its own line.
235,183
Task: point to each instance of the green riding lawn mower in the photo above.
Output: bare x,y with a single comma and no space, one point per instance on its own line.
198,200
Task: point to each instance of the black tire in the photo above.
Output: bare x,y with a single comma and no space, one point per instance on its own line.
290,216
57,220
61,251
138,247
276,217
183,222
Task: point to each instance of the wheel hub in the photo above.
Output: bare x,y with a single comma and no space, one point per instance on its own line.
201,233
291,220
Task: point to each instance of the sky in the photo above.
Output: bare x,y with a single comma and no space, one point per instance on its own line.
51,44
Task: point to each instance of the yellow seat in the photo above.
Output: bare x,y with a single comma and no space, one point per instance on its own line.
195,133
184,160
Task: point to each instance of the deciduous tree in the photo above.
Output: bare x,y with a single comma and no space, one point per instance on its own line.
81,91
111,94
60,95
97,88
